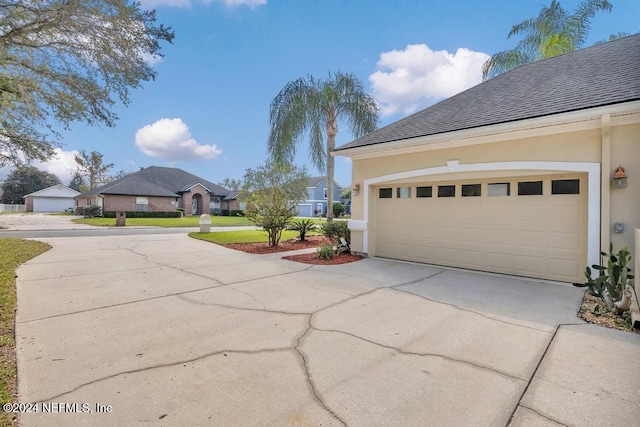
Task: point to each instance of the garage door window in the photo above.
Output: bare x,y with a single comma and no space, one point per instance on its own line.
499,189
530,188
446,191
565,186
471,190
403,193
424,191
385,193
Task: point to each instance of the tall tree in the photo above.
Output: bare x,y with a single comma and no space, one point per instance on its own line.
553,32
231,184
69,60
77,182
91,165
316,106
24,180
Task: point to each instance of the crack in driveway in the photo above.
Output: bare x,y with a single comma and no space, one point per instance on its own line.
417,353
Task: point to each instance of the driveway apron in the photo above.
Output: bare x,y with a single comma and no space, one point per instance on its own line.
168,330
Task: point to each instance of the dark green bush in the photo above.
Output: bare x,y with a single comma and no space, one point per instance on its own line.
237,212
338,209
92,211
149,214
224,212
334,230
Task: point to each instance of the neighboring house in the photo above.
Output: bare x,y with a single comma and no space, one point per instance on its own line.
57,198
316,202
160,189
514,175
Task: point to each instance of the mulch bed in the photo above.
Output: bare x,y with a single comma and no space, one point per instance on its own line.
603,318
293,245
344,258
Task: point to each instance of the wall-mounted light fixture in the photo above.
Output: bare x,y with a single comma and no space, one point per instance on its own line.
619,178
355,190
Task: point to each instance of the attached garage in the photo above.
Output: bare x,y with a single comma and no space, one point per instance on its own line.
57,198
514,175
534,226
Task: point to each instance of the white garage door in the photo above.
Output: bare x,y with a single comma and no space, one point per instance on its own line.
304,209
52,204
534,226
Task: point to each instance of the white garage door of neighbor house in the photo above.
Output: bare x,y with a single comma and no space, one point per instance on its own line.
304,210
52,204
533,226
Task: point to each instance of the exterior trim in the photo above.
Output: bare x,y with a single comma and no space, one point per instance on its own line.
586,119
593,192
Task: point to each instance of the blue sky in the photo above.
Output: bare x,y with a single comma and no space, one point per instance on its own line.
208,110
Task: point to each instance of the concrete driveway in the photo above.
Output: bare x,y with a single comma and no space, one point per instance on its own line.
166,330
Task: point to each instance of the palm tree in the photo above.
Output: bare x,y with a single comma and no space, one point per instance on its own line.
316,106
553,32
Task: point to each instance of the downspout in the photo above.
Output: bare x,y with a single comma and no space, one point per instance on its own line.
605,183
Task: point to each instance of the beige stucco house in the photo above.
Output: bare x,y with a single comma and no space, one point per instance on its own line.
514,175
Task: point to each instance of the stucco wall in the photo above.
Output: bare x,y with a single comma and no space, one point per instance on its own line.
568,146
625,202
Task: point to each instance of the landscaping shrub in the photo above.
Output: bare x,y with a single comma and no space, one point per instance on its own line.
134,214
92,211
334,230
236,212
338,210
613,283
324,252
224,212
302,227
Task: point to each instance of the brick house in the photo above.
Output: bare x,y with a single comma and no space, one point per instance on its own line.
160,189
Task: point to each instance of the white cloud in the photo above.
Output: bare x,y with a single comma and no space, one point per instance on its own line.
416,77
62,164
171,140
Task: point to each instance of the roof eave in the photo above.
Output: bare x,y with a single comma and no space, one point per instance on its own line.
581,119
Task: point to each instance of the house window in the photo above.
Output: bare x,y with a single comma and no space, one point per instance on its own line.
403,192
565,186
499,189
325,193
424,191
142,204
530,188
471,190
446,191
385,193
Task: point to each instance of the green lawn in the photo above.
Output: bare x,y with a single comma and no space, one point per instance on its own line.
188,221
14,252
243,236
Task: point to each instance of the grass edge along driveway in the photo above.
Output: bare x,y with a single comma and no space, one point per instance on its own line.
14,252
243,236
